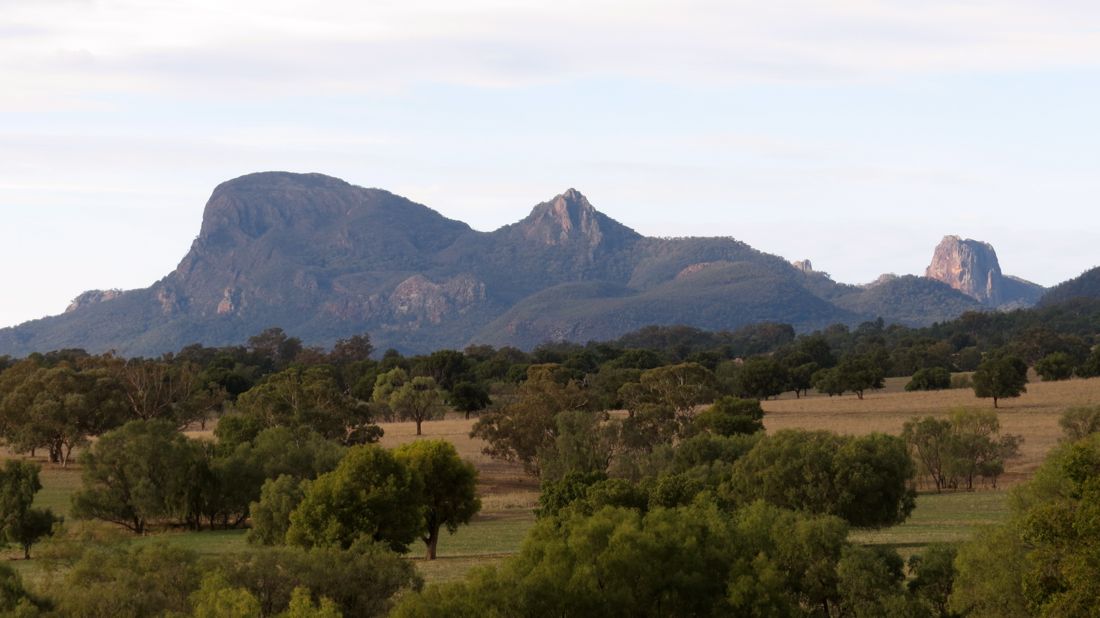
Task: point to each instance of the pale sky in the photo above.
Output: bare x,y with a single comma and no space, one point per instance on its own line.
853,133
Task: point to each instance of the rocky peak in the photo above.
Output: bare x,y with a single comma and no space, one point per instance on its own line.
92,297
570,218
969,266
805,266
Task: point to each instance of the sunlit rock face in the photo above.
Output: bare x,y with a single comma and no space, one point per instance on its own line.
971,267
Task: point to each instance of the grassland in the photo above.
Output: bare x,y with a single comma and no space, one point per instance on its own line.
509,495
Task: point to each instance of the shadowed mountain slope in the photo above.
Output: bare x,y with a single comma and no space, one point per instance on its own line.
324,260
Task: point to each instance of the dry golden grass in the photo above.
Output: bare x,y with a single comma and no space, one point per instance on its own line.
503,486
1033,415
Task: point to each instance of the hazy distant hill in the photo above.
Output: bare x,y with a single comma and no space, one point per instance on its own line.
1085,285
324,259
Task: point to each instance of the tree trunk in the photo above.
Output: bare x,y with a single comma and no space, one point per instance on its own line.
994,402
26,551
418,422
432,541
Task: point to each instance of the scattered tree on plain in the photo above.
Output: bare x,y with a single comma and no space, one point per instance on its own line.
1000,378
448,485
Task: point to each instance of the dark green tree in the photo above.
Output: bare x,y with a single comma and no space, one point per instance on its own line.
448,487
279,497
933,577
762,377
150,580
142,472
1055,366
731,416
1001,377
19,522
469,397
312,398
369,495
931,379
866,480
860,373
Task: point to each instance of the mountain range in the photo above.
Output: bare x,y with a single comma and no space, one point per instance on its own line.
324,260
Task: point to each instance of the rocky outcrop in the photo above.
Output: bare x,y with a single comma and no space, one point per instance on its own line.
92,297
971,267
805,266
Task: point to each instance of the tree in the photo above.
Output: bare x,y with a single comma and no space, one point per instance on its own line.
137,474
956,450
356,348
931,441
731,416
417,400
933,578
527,426
446,367
448,485
1001,377
1042,560
309,397
468,397
866,480
582,443
275,347
829,381
15,601
1091,367
1054,367
802,378
1080,422
683,387
762,378
869,582
271,513
215,598
931,379
369,495
19,522
302,606
360,581
150,580
162,390
58,407
686,561
859,373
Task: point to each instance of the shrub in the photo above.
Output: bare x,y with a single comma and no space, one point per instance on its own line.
931,379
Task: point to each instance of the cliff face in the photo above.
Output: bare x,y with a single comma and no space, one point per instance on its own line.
324,260
971,267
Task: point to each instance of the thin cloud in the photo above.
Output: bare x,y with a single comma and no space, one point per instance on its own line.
64,48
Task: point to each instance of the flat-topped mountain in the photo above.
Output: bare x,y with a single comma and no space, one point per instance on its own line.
324,260
971,267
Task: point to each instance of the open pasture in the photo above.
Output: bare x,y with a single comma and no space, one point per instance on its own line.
1034,415
509,495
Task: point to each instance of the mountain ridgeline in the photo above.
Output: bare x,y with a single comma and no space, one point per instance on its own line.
324,260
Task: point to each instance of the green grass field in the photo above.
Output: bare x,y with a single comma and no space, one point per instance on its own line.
940,518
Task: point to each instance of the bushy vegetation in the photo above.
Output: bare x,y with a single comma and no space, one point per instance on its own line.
660,493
